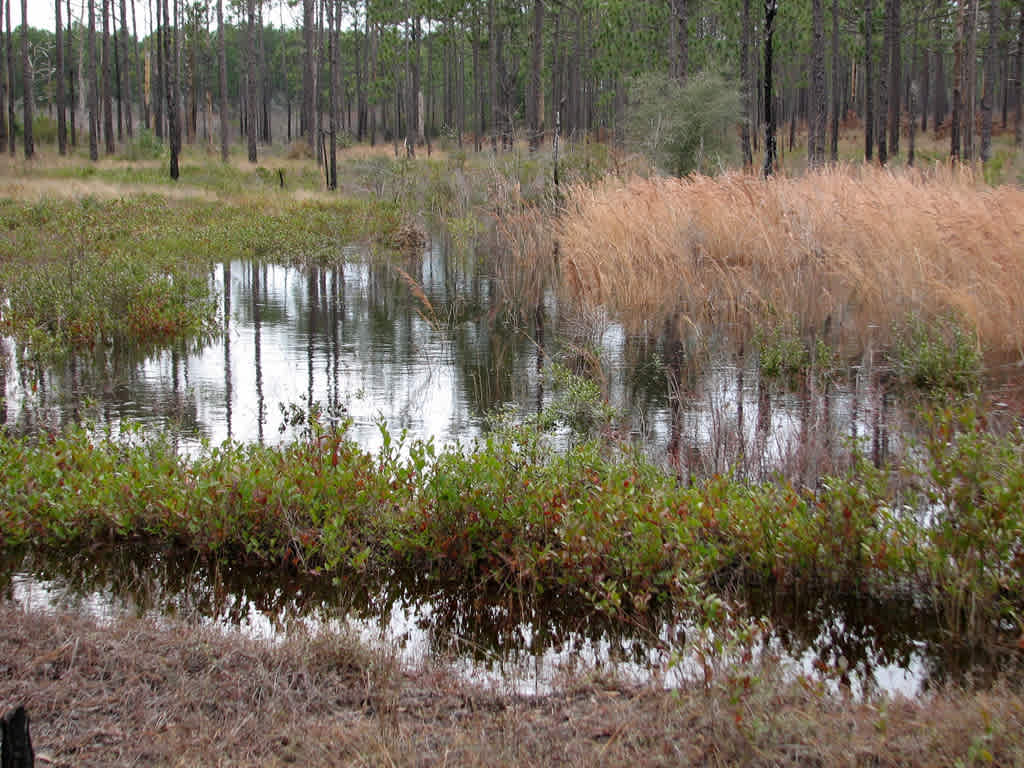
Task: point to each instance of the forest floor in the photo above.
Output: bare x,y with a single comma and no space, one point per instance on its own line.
171,693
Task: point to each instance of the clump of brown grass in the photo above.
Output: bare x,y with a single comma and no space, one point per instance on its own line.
857,246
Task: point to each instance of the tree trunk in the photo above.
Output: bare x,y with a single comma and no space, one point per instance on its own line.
816,132
414,131
173,101
478,100
989,85
332,173
306,118
958,80
62,126
940,105
126,81
27,93
222,66
883,86
4,45
264,79
869,83
70,59
118,93
926,79
680,51
11,145
895,73
492,72
158,91
108,109
970,79
143,101
770,9
94,117
251,121
748,156
834,138
535,118
1018,126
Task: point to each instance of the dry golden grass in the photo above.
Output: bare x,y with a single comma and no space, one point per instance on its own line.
859,246
141,692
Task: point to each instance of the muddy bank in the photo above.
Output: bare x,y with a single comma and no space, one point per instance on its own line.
139,691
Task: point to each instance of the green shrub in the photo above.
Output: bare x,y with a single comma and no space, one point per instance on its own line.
44,129
144,146
686,127
936,357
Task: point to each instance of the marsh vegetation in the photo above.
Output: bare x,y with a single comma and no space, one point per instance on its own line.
677,406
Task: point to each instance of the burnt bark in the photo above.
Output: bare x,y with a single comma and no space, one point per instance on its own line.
816,132
93,98
534,117
869,83
28,94
62,125
834,137
251,122
748,156
222,66
989,86
108,107
771,7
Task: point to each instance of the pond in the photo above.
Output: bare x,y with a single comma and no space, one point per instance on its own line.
507,642
424,344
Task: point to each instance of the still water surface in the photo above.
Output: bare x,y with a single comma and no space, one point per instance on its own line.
421,346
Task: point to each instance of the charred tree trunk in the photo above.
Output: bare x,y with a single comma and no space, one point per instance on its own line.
108,107
816,134
94,118
1018,126
159,89
680,56
969,83
251,121
771,7
748,156
869,83
62,126
11,145
883,86
989,85
834,137
926,80
4,45
173,100
534,117
222,66
143,101
895,72
306,119
492,72
332,171
958,79
126,81
27,93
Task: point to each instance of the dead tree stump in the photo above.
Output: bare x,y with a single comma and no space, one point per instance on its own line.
16,750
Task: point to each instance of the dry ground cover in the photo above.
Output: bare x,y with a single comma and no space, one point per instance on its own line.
847,253
170,693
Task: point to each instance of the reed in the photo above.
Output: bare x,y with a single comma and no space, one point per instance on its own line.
854,250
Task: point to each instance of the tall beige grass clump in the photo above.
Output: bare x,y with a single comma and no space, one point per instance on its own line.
853,249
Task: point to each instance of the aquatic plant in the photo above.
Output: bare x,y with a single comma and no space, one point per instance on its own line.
512,512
